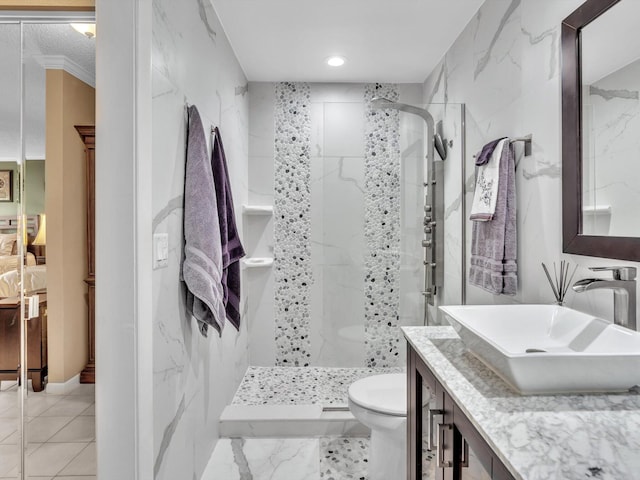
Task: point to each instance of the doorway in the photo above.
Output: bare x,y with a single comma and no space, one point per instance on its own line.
48,425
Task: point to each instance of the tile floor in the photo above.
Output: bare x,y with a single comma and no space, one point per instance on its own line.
60,430
323,458
326,458
282,457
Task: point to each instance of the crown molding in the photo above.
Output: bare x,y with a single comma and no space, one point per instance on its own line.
61,62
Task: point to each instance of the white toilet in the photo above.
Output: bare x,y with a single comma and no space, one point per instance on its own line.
380,403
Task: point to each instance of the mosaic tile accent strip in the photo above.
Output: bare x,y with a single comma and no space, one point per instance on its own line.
300,386
292,223
382,229
344,458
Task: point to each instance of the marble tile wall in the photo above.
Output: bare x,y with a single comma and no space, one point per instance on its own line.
194,377
259,229
337,224
505,67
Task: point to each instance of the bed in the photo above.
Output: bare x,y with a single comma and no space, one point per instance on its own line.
10,263
9,260
35,280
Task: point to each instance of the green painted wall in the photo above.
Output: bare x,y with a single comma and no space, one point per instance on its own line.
33,188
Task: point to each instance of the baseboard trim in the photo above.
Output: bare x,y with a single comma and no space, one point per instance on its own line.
63,388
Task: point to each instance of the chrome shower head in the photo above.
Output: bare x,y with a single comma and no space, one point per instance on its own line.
381,102
440,143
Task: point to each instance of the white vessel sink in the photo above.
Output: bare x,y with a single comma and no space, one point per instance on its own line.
549,349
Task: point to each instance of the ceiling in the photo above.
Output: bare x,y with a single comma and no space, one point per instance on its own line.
399,41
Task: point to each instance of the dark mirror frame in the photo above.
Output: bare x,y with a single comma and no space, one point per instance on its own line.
573,241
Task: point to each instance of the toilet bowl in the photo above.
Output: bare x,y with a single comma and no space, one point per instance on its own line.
380,403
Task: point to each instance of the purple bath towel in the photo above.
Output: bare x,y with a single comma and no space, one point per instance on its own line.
202,262
494,243
484,156
232,250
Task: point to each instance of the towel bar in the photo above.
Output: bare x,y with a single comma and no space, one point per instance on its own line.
528,141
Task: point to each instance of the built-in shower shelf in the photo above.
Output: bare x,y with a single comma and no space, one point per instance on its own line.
257,209
597,210
257,262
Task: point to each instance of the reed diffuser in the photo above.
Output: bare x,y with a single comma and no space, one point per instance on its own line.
560,284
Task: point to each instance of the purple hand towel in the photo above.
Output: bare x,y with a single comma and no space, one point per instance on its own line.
232,250
484,156
202,262
494,243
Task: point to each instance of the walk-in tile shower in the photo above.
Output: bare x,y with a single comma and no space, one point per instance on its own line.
348,182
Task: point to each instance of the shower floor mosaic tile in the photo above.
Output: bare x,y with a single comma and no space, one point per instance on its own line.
301,385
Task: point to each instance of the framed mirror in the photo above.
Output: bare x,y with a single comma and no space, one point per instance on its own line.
601,130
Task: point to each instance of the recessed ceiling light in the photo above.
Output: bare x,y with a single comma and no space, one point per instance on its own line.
87,29
335,61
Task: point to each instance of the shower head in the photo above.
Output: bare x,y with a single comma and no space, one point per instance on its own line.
381,102
440,143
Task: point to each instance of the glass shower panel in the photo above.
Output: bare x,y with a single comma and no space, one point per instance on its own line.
339,214
12,391
337,234
452,116
413,172
414,310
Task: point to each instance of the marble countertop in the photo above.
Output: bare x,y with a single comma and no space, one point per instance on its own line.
538,437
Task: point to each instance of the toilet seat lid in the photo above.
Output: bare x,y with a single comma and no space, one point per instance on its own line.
386,394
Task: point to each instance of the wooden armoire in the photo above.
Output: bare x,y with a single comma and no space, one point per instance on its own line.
88,135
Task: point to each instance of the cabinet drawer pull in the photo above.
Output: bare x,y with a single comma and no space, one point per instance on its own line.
442,429
430,428
464,461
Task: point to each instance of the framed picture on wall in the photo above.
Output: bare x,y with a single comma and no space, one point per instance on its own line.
6,185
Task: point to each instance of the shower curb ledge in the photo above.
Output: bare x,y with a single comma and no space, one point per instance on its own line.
255,421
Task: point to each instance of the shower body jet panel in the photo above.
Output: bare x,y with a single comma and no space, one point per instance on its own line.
433,241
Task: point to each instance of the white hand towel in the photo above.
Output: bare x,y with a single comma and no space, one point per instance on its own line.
484,199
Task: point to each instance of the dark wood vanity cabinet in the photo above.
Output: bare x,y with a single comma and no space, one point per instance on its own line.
36,342
458,452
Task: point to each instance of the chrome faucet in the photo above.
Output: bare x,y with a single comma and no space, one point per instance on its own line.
624,292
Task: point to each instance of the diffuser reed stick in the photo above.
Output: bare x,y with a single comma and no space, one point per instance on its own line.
560,284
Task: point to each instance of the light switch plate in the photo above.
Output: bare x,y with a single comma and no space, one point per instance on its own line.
160,250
